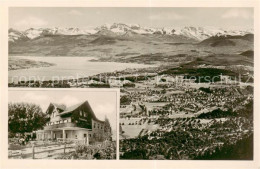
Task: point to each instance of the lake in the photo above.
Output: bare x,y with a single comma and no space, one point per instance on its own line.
67,68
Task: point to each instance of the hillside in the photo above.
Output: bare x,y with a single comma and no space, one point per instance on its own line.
241,150
98,45
222,60
238,40
248,53
16,64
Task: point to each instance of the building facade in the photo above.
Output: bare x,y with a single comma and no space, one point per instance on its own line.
77,122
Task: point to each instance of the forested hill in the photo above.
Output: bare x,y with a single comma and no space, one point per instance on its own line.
242,150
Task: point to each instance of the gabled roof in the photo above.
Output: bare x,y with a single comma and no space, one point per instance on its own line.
74,107
53,106
61,107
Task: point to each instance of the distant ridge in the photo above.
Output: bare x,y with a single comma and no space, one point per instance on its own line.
121,29
227,40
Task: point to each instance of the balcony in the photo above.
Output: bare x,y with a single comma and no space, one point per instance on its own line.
61,125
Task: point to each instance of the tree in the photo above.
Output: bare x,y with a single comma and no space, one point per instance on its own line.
25,117
125,100
107,125
107,128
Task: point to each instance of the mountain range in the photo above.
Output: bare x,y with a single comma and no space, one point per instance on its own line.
131,43
126,30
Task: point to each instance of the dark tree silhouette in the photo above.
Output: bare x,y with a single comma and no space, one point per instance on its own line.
107,128
25,117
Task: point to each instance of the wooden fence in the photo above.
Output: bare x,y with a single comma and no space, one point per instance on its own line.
50,149
49,152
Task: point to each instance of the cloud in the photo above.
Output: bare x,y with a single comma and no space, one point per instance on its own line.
32,97
69,100
31,22
36,98
108,110
167,16
238,13
75,12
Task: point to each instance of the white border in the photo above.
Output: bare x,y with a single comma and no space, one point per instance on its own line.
5,163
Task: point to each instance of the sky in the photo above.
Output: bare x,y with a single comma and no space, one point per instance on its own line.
22,18
102,103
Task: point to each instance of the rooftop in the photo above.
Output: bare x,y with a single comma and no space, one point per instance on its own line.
69,110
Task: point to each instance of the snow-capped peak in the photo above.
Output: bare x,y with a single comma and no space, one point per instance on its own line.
33,33
14,35
198,33
119,28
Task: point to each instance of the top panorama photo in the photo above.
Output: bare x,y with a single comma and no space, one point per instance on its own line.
118,47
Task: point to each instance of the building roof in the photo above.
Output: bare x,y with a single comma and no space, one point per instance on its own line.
70,110
59,106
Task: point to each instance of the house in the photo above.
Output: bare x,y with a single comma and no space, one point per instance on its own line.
114,82
77,122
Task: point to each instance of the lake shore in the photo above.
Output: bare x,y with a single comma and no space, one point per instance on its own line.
15,63
56,68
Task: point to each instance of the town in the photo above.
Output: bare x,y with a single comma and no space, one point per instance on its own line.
198,118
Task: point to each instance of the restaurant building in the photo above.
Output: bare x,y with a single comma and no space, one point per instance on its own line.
77,122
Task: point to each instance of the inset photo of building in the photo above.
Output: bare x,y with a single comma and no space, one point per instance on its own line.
62,124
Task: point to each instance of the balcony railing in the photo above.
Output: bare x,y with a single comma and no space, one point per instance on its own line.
61,125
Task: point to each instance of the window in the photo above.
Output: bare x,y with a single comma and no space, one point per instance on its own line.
89,135
76,136
54,113
98,126
85,135
80,113
94,125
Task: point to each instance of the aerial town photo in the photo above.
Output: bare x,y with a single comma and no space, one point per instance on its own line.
62,125
186,75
